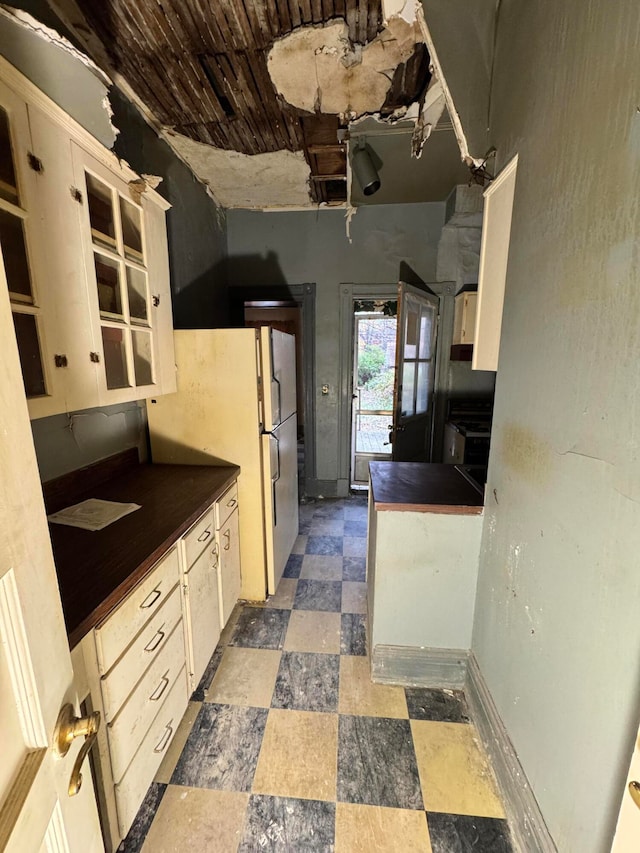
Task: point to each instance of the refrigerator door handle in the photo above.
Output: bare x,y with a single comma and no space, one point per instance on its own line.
274,479
277,412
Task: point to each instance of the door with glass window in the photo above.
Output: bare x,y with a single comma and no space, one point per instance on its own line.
415,373
374,337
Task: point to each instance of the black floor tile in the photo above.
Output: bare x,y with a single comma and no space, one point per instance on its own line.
285,824
353,635
443,706
329,546
307,682
261,628
141,825
318,595
455,833
222,749
355,527
329,509
377,763
293,567
354,569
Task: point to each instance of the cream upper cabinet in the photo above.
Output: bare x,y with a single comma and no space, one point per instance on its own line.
127,278
84,248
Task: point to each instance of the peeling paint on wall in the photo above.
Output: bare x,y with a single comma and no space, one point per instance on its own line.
276,180
320,70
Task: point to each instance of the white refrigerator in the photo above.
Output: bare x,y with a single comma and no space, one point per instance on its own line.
236,403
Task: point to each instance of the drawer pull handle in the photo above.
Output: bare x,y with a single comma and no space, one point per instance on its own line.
151,646
164,740
151,599
227,536
204,535
157,693
232,502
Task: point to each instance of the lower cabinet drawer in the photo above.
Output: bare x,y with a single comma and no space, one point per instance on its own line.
146,647
225,505
131,790
115,633
145,703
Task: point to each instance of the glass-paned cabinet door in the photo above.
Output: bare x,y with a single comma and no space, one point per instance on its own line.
18,239
113,225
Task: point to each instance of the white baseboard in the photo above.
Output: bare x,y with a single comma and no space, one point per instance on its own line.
525,818
411,666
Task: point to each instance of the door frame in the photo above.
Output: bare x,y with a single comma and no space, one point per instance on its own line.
349,292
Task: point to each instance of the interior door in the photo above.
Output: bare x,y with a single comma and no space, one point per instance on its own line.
415,372
36,678
627,838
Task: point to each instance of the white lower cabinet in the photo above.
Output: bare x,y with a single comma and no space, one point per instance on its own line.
202,612
228,538
141,663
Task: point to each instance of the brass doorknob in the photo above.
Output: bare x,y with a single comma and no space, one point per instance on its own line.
69,727
634,790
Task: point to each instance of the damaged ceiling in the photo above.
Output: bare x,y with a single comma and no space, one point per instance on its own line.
257,95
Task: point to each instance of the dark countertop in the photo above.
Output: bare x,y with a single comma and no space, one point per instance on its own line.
423,487
96,569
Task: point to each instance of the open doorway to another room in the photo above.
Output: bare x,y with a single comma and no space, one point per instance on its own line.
374,352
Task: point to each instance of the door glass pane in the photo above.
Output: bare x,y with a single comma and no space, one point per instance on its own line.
131,230
422,400
108,282
142,357
426,332
137,291
101,212
411,332
408,386
115,357
372,434
30,357
14,252
8,184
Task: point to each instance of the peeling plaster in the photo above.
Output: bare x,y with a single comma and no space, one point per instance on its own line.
318,69
24,19
406,9
276,180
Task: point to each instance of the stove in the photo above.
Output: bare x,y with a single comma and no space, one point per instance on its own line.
467,432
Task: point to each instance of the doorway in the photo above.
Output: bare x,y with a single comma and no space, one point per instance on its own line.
374,350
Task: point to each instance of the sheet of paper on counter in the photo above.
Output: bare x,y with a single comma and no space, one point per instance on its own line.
92,514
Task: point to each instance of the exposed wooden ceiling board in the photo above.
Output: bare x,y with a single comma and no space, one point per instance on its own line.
410,81
200,66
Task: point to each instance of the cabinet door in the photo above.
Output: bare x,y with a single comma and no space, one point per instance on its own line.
21,238
60,267
229,546
117,244
202,612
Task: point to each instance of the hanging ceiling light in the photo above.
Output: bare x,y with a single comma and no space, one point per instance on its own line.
364,170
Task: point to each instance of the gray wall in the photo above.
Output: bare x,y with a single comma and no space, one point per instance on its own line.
557,629
290,248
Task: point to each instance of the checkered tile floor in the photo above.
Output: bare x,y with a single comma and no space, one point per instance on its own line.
288,746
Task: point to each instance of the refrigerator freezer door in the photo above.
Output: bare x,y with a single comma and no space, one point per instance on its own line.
278,351
280,480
